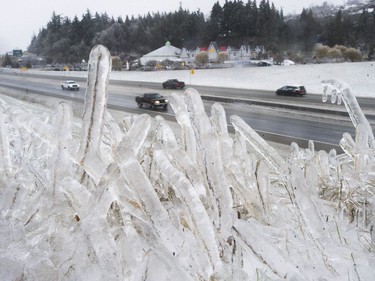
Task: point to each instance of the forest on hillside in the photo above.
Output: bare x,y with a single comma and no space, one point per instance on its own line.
234,23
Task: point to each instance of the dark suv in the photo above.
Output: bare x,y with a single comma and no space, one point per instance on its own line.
291,91
173,84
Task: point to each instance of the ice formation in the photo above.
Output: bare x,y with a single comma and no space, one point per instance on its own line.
97,199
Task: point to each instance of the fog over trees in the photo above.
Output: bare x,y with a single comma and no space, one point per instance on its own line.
234,23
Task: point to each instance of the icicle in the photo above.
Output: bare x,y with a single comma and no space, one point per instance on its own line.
64,145
164,134
295,154
334,94
112,136
5,163
94,110
207,153
351,104
260,145
362,149
250,235
201,222
347,144
211,159
372,222
187,134
220,125
311,147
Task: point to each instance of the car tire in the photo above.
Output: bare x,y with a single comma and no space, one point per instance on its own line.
62,87
164,86
140,105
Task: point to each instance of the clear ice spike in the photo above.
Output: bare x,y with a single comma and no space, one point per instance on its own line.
94,110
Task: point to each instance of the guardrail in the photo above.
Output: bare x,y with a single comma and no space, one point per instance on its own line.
324,110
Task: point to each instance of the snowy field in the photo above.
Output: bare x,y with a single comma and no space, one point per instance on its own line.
359,76
95,198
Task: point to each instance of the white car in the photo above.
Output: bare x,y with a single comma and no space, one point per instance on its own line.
70,85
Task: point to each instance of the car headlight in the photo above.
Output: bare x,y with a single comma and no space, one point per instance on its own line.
157,102
166,100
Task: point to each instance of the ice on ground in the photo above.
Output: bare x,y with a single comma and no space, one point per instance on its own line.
138,200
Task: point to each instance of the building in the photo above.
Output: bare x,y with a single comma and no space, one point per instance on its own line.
244,53
173,54
167,52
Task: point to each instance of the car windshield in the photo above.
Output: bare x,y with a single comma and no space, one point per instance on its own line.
153,96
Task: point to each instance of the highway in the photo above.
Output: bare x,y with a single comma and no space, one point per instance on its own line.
277,118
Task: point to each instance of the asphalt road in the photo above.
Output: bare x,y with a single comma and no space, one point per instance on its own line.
280,124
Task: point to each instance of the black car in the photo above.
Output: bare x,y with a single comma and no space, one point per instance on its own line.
291,91
173,84
264,63
153,100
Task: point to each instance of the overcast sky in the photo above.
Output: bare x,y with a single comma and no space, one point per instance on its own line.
21,19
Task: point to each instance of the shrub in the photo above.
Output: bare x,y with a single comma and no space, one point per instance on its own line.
341,48
321,52
353,55
297,57
221,57
201,58
338,52
116,63
334,53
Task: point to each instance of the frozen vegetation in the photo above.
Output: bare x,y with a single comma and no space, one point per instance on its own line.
97,199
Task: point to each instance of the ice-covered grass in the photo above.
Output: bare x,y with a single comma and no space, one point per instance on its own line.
97,199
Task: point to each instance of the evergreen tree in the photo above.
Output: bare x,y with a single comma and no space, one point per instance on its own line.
7,61
308,30
234,24
214,27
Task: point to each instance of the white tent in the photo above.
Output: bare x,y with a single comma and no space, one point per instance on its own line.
167,52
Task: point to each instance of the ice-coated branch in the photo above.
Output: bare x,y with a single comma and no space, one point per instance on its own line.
62,136
340,91
220,125
201,224
191,114
94,110
296,187
4,145
260,145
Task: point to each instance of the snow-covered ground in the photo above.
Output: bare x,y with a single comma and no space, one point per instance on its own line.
359,76
94,198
